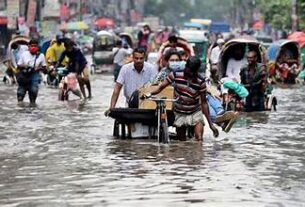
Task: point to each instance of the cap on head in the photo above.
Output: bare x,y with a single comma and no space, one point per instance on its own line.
59,38
220,41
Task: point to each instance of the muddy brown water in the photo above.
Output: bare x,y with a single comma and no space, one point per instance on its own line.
61,155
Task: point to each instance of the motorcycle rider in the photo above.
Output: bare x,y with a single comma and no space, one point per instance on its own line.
77,64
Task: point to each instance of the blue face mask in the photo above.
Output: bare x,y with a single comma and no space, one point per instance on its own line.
180,65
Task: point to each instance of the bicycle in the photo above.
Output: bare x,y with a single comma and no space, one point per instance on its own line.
163,134
63,85
54,76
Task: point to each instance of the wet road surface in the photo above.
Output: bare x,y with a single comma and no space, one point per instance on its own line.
59,155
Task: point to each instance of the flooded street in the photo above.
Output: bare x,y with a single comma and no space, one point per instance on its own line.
57,156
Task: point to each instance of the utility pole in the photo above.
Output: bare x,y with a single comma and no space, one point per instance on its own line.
294,16
80,17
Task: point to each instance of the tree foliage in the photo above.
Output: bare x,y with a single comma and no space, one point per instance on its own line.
278,13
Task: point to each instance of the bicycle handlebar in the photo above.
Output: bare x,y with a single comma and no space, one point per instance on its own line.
161,99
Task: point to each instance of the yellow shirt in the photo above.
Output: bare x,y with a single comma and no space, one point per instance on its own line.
54,52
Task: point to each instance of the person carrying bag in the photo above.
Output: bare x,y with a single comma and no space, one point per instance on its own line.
29,65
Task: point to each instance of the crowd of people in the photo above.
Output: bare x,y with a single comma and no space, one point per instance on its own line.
198,96
28,66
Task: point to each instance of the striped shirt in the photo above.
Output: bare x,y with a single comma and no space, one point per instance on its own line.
188,91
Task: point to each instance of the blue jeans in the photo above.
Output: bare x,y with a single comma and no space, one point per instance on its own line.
31,88
215,107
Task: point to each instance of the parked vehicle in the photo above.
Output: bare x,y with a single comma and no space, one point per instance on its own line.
198,41
235,102
245,43
102,52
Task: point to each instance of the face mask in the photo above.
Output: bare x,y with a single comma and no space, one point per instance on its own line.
177,65
33,50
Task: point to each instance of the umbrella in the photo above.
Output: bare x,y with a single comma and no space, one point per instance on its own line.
258,25
298,37
104,22
74,26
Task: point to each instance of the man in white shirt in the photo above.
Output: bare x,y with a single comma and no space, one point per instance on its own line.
235,63
133,76
15,53
216,52
30,64
119,57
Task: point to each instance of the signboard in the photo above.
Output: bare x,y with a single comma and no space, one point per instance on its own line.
12,13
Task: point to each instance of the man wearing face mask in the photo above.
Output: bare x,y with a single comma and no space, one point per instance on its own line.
30,64
174,63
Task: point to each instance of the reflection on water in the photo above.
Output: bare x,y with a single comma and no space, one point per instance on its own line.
64,155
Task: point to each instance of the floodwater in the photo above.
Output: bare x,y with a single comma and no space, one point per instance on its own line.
59,155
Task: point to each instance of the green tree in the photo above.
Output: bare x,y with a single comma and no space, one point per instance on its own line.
301,14
276,12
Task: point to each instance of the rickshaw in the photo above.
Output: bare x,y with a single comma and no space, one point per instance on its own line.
102,52
284,61
199,43
247,44
11,70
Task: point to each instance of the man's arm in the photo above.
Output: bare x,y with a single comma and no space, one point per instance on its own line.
160,87
205,108
62,56
13,59
115,94
206,112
